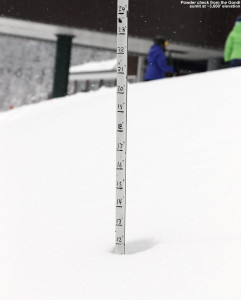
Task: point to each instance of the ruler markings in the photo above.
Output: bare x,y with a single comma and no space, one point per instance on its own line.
121,126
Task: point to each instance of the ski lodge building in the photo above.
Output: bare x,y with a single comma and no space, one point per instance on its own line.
196,35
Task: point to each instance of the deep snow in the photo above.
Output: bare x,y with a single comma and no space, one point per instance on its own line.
57,189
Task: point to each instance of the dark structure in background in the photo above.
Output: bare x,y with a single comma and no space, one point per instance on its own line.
196,36
206,27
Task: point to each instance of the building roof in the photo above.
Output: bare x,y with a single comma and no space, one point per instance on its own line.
203,27
103,40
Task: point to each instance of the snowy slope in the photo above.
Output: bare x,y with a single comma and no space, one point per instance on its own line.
57,189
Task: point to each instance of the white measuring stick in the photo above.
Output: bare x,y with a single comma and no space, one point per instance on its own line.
121,138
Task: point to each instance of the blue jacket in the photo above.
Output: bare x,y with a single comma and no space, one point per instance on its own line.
156,64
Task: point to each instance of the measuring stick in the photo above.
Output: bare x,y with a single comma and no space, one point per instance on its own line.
121,138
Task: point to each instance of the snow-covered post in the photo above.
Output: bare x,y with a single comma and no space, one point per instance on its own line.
121,138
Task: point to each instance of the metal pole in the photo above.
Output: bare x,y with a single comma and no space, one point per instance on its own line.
62,63
121,134
140,68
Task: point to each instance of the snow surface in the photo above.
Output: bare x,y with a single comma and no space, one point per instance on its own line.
105,65
57,183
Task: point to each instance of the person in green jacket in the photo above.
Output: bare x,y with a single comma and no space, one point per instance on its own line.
232,50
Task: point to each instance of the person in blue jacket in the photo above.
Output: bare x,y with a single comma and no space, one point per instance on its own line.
157,61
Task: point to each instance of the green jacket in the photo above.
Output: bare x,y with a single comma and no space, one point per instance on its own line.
233,44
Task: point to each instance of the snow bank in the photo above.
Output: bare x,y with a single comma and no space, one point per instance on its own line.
57,183
106,65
